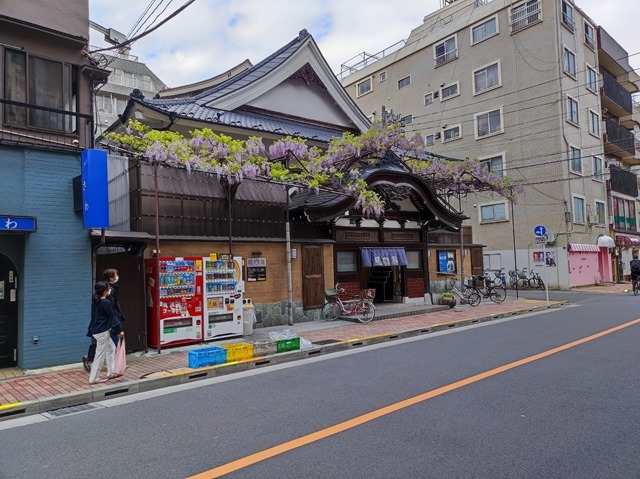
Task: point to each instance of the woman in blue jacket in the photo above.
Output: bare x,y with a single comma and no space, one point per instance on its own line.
103,323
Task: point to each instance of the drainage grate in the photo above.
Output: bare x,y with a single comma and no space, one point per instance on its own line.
65,411
326,341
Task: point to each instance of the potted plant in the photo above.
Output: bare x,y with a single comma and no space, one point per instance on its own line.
447,298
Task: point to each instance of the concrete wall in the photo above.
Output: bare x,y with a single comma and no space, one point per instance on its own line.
54,263
68,16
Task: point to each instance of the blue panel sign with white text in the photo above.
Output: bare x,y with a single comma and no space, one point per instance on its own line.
18,224
95,192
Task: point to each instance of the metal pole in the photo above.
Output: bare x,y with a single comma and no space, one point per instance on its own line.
461,244
515,256
546,275
287,233
230,211
157,286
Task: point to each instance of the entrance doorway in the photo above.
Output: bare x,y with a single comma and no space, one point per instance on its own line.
131,295
312,277
8,313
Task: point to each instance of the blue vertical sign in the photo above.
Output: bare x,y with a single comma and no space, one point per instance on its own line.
95,192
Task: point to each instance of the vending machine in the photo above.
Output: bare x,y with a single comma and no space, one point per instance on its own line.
174,286
223,288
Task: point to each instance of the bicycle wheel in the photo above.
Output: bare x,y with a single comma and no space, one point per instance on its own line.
635,288
365,311
540,283
331,311
497,294
523,283
472,298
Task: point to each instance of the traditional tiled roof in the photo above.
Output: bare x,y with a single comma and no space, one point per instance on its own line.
243,119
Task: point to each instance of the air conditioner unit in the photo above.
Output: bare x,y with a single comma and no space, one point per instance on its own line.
551,238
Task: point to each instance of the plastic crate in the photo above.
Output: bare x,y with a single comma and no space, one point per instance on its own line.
264,348
238,351
199,358
290,344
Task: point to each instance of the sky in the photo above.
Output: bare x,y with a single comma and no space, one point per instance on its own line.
211,36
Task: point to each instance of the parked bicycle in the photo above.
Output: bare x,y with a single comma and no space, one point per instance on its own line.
535,281
495,293
470,297
513,278
361,305
500,278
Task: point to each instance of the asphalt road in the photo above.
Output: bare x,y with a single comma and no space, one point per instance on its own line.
570,413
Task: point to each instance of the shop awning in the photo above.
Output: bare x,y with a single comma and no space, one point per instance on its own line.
586,248
383,257
627,241
605,241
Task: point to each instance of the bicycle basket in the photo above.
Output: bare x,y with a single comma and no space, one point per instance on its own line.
331,294
368,293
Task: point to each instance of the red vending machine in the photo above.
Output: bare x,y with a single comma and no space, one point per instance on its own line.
176,290
223,287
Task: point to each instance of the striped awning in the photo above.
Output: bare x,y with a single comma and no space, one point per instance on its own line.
584,248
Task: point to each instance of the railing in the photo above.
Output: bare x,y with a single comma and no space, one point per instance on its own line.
620,137
447,56
365,59
522,17
25,124
616,92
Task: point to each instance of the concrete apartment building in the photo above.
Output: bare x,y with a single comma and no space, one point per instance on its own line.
518,85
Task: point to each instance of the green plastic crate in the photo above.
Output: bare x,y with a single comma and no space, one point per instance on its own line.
290,344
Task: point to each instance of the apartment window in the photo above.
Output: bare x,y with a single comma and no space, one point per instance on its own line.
493,164
445,51
592,79
486,78
597,168
39,82
404,82
429,140
567,15
451,133
569,62
406,120
493,212
346,261
524,15
624,214
383,76
364,87
105,104
575,160
578,209
488,123
601,218
485,30
589,35
572,111
428,99
594,123
449,91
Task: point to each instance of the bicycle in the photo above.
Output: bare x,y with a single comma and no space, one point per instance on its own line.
500,278
495,293
635,284
470,297
513,278
535,281
362,308
523,279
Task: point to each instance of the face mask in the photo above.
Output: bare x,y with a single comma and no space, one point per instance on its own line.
108,292
116,278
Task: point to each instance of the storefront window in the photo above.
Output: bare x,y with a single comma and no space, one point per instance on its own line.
414,259
447,262
346,261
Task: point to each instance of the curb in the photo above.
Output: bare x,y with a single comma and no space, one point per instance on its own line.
164,379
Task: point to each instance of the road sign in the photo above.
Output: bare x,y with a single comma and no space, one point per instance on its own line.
539,230
541,239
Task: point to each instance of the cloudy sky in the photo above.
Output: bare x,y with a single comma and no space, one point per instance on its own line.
211,36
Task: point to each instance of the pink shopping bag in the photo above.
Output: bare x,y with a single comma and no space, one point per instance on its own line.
120,364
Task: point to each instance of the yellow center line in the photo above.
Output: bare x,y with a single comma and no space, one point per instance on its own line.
378,413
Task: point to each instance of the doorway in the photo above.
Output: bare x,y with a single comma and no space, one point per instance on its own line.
312,277
8,313
131,295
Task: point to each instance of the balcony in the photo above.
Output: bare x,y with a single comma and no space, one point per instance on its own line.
612,56
620,142
31,126
623,181
615,97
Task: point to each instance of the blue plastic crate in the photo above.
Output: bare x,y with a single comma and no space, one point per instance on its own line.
199,358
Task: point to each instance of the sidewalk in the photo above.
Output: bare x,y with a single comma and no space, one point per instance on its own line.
34,392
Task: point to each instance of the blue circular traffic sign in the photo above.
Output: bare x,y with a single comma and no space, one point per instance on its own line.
539,230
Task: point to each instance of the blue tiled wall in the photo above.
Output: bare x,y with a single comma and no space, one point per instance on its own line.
55,278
